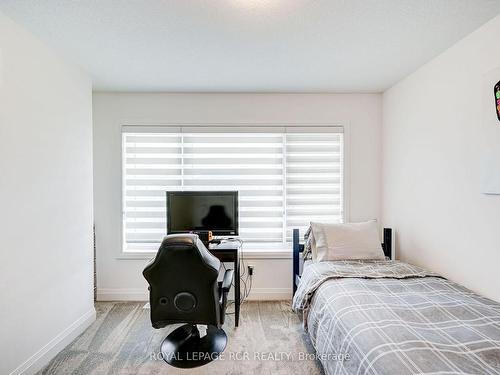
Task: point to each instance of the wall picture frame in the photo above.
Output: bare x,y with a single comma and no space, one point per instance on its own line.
490,174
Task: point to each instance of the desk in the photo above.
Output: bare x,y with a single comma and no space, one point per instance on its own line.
226,254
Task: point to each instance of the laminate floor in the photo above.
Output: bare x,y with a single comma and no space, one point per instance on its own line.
269,340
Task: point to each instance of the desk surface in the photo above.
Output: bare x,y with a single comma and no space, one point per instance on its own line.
225,246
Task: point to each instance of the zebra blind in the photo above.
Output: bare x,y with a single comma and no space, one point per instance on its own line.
286,177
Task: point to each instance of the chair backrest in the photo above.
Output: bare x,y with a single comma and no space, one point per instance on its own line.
183,283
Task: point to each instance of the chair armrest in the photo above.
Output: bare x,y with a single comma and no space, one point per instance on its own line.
224,287
227,281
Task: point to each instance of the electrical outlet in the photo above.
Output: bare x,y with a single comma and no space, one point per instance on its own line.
250,270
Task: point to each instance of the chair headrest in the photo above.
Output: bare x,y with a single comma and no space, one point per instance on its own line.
189,241
181,239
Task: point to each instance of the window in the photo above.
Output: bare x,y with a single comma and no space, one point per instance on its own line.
286,177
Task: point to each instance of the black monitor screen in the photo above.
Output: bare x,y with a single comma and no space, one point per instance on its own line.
216,211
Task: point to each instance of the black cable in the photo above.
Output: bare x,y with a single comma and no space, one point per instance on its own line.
250,289
246,289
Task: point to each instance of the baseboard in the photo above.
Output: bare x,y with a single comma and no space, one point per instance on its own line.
122,294
257,294
270,294
54,346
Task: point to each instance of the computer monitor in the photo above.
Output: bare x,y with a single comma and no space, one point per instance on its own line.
199,211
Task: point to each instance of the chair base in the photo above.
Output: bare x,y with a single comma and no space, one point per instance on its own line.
184,348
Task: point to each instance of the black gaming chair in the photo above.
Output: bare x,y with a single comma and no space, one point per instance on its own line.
183,288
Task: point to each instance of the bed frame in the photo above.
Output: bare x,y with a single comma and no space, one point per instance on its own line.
298,248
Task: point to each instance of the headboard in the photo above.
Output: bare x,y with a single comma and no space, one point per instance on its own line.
299,248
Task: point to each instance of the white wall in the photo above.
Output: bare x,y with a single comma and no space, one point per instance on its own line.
45,201
435,130
122,278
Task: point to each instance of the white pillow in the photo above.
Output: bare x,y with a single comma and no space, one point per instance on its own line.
347,241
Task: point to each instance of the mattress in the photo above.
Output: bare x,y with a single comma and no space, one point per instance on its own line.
389,317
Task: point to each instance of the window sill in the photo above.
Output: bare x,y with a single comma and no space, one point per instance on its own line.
251,252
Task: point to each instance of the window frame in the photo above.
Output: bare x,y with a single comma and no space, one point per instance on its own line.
251,250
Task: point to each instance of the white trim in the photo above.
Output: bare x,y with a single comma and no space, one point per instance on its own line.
347,173
122,196
122,294
136,255
141,294
148,127
38,360
268,254
247,254
284,177
393,241
270,294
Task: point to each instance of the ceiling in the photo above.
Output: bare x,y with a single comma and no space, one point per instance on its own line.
250,45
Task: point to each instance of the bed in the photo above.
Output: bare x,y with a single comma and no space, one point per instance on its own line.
390,317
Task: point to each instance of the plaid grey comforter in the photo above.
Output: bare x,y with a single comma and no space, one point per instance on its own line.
387,317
